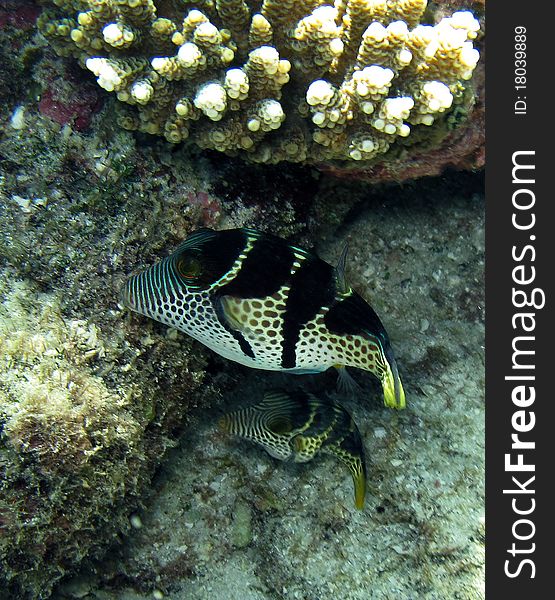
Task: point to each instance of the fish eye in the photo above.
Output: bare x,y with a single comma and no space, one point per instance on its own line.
189,267
280,425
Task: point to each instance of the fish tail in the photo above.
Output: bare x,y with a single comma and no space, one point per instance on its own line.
394,394
351,454
359,482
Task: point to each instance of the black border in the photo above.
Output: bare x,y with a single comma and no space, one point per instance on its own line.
506,133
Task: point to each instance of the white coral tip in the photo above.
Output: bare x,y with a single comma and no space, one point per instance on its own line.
376,30
469,56
188,54
336,46
108,77
404,57
378,76
211,99
438,96
398,28
319,92
141,91
112,33
465,19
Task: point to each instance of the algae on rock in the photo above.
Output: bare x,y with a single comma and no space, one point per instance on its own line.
76,451
90,399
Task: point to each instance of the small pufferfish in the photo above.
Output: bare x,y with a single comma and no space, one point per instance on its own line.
262,302
296,426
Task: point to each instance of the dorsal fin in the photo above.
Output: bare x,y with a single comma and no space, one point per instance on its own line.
196,239
276,397
340,270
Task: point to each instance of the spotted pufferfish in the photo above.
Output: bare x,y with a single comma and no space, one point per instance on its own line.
255,299
297,426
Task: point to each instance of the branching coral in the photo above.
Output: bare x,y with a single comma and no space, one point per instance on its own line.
278,80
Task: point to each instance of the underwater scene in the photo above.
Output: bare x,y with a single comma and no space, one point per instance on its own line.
242,299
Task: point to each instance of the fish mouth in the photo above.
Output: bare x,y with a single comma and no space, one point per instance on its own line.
126,295
138,293
224,424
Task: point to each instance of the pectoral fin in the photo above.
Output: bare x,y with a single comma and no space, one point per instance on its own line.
230,312
235,314
345,383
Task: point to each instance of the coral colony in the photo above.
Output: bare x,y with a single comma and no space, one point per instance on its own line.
298,81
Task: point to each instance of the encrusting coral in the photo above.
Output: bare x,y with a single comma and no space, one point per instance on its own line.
303,81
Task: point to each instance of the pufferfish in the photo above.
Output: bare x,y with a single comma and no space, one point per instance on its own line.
297,425
262,302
